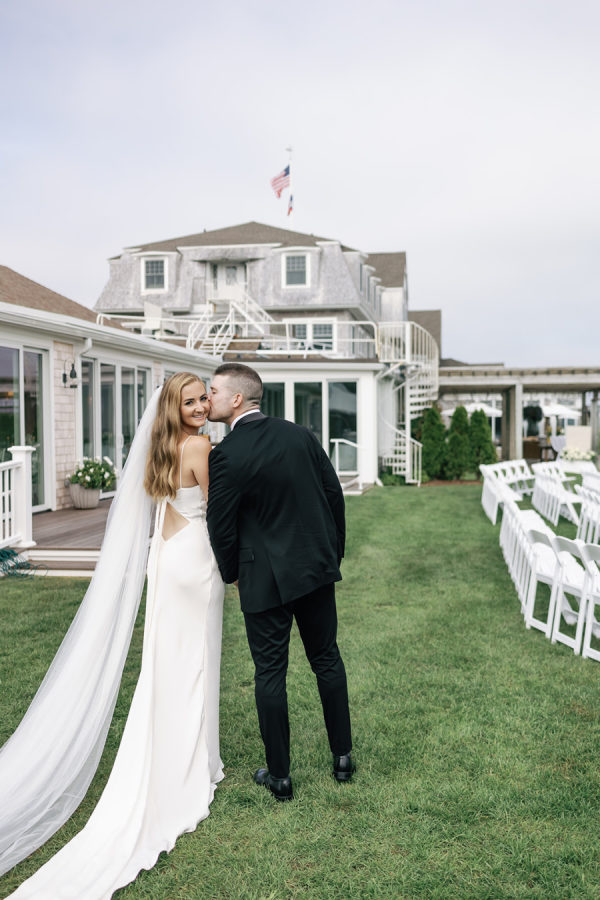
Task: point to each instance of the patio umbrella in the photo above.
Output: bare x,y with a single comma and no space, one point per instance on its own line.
490,411
561,411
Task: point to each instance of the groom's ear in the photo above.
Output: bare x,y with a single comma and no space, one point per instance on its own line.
237,400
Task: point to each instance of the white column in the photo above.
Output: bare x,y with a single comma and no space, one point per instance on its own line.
594,421
22,476
515,439
367,428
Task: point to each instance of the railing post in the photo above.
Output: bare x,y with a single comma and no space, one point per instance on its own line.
22,494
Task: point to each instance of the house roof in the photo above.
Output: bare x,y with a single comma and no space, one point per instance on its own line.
247,233
22,291
390,267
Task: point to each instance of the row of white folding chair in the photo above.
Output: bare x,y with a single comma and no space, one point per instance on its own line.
588,529
516,547
554,469
553,500
514,472
570,570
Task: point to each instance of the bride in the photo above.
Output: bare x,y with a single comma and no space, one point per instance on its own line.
168,764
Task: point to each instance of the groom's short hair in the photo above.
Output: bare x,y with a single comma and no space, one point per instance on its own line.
247,381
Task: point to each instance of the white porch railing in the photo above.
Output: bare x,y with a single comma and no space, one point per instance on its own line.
15,500
343,472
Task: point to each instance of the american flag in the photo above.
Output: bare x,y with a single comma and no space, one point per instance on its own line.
290,204
281,181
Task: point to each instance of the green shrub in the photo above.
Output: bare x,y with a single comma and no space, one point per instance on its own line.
483,451
433,436
458,455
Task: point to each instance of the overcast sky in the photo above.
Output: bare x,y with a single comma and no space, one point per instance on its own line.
465,133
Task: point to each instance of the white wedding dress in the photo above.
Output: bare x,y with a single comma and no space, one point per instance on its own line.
168,762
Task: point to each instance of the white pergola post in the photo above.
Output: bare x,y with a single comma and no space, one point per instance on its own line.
515,421
594,422
22,476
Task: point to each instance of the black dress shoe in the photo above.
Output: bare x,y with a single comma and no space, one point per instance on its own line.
343,767
281,788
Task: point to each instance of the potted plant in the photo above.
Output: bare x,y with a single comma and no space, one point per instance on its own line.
89,478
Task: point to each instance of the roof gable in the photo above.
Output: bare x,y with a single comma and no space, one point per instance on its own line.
250,233
22,291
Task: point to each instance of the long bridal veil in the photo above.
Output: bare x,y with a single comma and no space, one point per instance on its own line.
50,760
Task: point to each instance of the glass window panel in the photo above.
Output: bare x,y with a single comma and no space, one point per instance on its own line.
128,422
9,401
87,405
308,407
155,274
295,270
33,409
143,380
273,400
322,336
299,332
342,422
107,411
231,274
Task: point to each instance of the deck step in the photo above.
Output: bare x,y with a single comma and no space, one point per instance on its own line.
68,561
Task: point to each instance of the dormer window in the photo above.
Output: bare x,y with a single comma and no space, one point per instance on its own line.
295,270
154,274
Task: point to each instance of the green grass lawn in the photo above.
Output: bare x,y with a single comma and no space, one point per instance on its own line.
477,741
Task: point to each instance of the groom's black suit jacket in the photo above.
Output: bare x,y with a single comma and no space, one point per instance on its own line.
275,512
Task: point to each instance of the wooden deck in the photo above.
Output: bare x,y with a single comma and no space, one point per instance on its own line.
68,541
71,528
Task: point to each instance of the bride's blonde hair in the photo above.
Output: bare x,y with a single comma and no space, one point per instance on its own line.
162,462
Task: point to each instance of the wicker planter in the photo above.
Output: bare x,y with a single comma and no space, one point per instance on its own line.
84,498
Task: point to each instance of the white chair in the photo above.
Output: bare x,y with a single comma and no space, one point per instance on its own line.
588,530
495,493
543,568
551,487
591,555
591,481
571,585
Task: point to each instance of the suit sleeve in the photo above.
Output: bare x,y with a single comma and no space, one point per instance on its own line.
335,499
222,515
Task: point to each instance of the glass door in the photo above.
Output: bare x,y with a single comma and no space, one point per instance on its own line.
342,422
108,412
308,406
10,405
33,409
128,418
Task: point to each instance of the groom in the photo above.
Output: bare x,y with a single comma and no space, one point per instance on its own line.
276,523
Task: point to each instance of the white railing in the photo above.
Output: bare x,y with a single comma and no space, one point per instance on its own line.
345,472
15,500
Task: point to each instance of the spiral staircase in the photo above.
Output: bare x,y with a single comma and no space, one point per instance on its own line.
411,356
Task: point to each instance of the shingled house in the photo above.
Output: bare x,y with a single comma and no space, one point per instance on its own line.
327,326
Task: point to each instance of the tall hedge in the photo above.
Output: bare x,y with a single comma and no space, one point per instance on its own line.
483,451
433,437
458,456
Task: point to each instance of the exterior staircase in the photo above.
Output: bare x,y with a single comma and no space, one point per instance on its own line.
213,332
412,355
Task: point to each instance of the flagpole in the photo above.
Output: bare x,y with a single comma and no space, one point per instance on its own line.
288,150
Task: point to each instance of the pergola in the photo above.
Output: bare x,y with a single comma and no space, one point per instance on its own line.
512,382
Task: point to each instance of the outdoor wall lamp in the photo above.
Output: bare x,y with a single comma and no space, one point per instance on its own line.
71,378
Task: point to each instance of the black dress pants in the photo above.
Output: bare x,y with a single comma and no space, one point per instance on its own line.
268,637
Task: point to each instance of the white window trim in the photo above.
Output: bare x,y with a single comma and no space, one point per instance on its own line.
143,260
295,287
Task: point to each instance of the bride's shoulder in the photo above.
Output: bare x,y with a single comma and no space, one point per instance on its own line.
199,445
